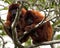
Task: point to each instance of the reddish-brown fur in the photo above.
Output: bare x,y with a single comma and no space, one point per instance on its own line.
20,25
43,33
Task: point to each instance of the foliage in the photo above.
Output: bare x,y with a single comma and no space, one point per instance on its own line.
42,5
8,1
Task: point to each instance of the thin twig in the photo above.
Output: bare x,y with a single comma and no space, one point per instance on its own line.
14,33
45,43
3,42
2,5
5,28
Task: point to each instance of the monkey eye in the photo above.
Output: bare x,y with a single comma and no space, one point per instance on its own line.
13,12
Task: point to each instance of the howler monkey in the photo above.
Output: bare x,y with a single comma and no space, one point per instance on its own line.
20,23
44,32
28,19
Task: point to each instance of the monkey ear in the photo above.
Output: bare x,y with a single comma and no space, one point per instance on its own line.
13,6
23,11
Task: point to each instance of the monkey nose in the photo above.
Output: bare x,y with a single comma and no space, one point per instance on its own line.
30,22
14,14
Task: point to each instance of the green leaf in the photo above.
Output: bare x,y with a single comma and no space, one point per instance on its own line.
57,37
8,1
3,33
28,43
31,0
56,23
0,27
5,8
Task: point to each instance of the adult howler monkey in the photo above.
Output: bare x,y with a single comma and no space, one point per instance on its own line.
10,18
44,32
28,19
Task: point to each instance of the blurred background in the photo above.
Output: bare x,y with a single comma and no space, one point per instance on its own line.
49,8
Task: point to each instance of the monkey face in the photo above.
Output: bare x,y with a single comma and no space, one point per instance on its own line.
13,12
29,18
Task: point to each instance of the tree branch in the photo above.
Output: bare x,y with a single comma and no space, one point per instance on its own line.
45,43
13,27
36,26
3,42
